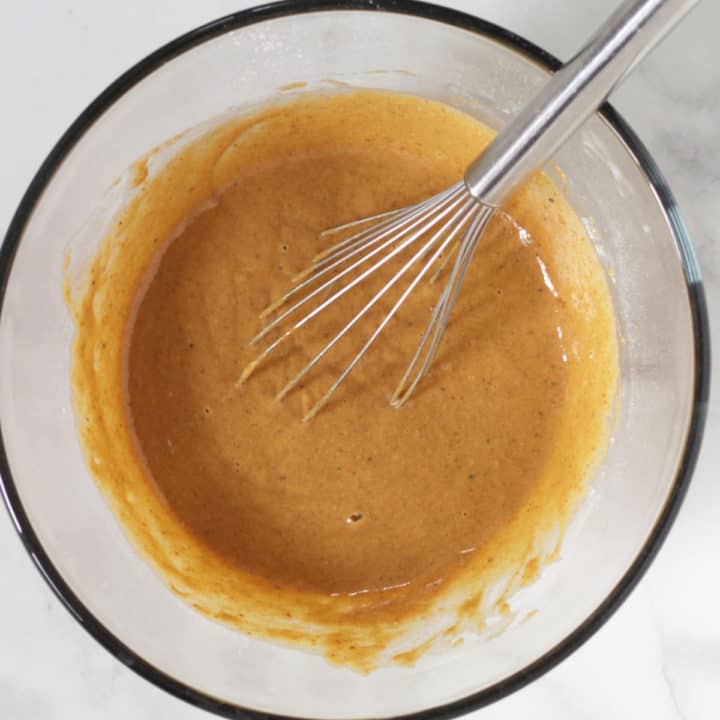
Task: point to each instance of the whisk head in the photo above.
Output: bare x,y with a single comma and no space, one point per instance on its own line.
446,227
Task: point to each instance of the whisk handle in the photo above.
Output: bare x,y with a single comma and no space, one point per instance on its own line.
572,95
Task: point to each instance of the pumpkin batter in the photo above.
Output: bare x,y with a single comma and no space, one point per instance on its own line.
346,533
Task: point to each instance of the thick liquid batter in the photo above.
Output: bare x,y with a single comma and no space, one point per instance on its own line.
352,526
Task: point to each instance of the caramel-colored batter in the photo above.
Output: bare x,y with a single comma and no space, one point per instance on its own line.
346,532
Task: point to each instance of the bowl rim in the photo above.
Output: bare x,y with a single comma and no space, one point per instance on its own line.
696,300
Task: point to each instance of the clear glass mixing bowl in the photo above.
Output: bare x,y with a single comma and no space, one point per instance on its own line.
241,60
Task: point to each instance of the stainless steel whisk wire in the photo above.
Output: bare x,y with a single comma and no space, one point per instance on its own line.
453,221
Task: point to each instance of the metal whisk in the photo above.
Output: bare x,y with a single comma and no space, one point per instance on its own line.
451,223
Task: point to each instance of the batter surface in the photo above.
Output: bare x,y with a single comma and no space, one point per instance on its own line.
345,532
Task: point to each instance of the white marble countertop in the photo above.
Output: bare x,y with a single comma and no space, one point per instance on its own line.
659,656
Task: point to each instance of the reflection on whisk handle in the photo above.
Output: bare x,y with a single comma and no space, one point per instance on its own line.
572,95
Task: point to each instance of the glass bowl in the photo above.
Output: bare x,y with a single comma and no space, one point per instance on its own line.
242,60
